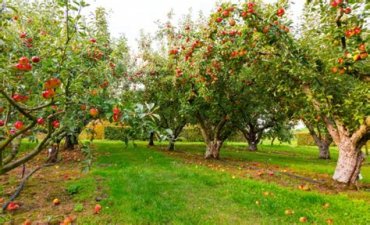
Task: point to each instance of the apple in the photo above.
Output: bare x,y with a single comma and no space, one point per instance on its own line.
116,111
94,112
362,47
232,22
356,57
326,205
24,60
83,107
334,69
52,83
349,33
49,93
12,206
1,109
280,12
23,35
19,125
303,219
55,124
97,208
357,30
329,221
340,60
56,201
347,10
244,14
92,40
225,13
35,59
27,222
289,212
2,123
364,55
251,5
40,121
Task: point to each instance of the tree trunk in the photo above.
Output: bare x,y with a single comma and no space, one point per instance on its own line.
322,140
324,152
252,145
53,153
272,141
70,141
171,146
213,149
151,138
349,162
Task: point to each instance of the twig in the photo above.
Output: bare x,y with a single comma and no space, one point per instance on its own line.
22,184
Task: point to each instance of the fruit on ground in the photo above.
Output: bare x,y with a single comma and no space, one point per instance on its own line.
56,201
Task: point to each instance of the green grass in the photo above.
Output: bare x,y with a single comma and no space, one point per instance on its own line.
148,187
299,158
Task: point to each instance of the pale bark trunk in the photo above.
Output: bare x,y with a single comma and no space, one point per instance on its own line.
213,149
349,162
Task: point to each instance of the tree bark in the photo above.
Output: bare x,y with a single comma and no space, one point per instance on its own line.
151,138
171,145
349,162
322,140
252,145
213,149
324,152
70,141
53,153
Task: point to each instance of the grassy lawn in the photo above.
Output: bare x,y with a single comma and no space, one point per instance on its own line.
299,158
143,186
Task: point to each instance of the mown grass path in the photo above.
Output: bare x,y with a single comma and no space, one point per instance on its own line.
144,186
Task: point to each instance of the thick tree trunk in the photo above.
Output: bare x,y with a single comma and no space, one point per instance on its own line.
349,162
151,138
213,149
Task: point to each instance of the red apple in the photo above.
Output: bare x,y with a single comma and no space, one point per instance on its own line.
280,12
225,13
357,30
2,123
35,59
19,125
49,93
55,124
97,208
347,10
362,47
24,60
40,121
23,35
94,112
92,40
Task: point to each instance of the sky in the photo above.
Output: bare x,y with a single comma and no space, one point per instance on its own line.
128,17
